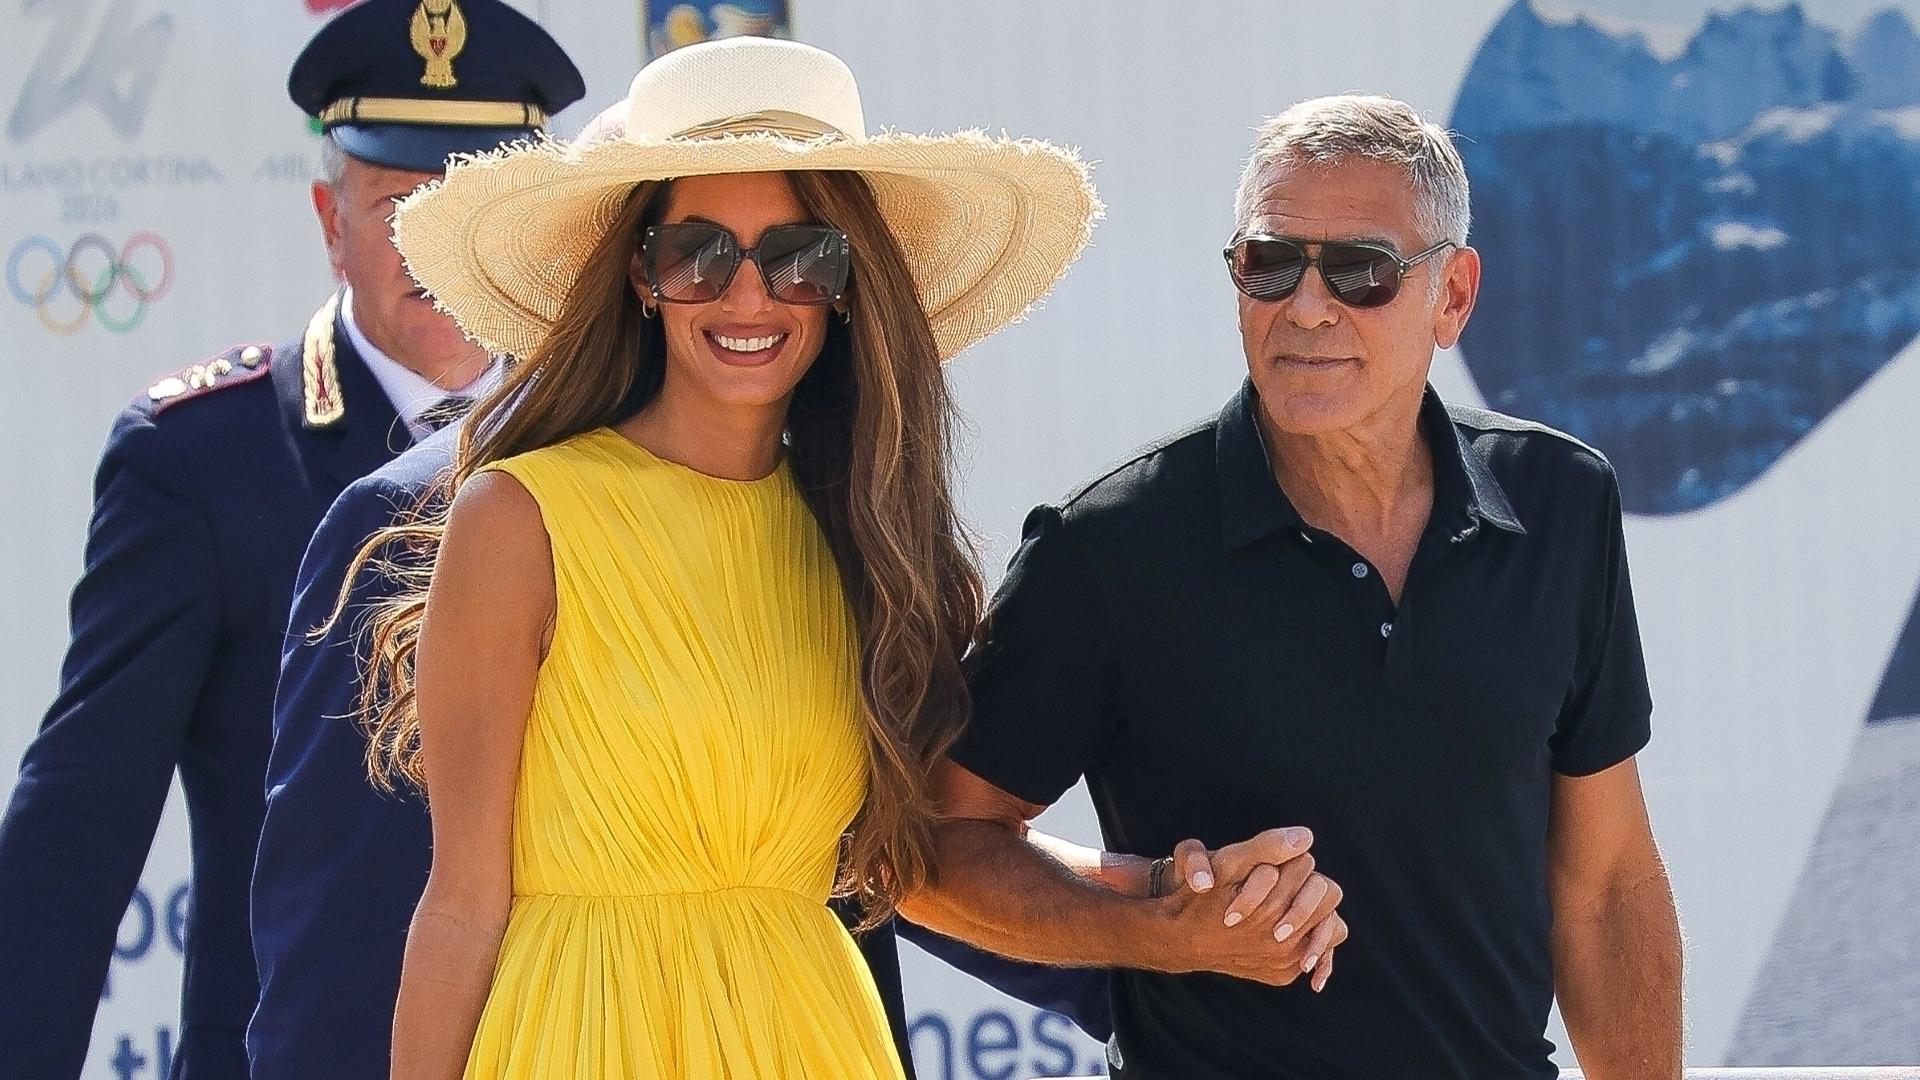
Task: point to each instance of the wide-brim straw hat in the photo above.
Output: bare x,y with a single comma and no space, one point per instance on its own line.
988,225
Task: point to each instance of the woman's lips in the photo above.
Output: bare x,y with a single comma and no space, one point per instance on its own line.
746,349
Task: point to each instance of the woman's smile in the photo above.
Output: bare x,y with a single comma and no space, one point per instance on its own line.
744,348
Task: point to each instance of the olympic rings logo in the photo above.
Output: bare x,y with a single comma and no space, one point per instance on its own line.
91,277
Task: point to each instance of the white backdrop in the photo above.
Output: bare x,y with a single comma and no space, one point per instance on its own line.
1769,615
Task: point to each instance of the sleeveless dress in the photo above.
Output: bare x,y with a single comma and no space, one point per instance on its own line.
693,757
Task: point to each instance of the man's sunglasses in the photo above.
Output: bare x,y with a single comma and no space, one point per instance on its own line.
692,262
1358,274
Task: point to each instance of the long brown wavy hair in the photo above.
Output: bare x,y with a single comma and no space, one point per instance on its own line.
869,437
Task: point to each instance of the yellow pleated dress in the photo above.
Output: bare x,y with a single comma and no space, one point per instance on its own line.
693,757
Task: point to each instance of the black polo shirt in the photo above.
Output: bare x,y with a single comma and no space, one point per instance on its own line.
1214,667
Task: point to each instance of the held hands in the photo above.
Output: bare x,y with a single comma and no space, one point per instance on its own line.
1256,909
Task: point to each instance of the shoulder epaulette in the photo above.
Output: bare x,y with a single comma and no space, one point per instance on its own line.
240,364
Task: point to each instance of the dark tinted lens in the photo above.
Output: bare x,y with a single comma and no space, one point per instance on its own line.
1360,275
804,264
690,263
1267,269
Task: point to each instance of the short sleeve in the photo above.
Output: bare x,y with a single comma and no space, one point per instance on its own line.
1043,675
1608,718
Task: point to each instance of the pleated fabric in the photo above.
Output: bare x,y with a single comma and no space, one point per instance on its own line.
693,757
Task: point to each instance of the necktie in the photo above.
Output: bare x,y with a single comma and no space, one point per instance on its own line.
446,411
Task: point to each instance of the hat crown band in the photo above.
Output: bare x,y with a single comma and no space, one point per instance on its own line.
781,122
717,87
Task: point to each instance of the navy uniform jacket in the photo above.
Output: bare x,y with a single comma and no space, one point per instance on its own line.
341,865
209,487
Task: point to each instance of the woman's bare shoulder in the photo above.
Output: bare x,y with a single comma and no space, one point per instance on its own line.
495,521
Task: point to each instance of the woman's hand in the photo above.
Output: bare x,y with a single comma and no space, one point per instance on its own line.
1268,883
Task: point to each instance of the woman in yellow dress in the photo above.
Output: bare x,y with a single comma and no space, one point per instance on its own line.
692,637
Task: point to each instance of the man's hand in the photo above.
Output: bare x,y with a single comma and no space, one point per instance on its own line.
1009,889
1268,884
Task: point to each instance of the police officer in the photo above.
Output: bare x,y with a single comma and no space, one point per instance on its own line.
210,486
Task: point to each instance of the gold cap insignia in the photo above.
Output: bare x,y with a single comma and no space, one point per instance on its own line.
438,33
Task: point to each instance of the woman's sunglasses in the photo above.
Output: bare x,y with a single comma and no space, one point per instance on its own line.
692,262
1358,274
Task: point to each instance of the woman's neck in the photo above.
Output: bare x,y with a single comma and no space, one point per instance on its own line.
733,442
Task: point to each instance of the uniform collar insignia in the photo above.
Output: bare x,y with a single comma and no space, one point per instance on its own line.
319,374
438,33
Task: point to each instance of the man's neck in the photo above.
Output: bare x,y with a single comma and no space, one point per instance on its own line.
451,372
1371,485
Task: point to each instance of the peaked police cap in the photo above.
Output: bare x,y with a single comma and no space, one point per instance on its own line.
405,83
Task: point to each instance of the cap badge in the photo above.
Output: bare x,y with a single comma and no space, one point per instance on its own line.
438,33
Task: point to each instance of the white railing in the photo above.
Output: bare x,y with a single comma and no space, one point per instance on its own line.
1790,1073
1798,1072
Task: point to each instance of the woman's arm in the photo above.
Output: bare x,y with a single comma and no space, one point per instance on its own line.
489,618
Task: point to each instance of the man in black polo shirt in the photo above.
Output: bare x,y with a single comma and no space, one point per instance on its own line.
1345,605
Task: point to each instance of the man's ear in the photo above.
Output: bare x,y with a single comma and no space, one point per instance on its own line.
326,207
1459,288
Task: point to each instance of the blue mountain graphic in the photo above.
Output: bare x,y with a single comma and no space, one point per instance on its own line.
1691,261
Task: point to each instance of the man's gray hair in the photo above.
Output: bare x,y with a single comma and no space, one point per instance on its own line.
1329,130
333,162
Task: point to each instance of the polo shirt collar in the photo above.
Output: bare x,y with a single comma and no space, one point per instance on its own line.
1486,500
1252,504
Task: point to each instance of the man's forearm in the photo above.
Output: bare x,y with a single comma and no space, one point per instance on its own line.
1124,874
1000,892
1617,963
